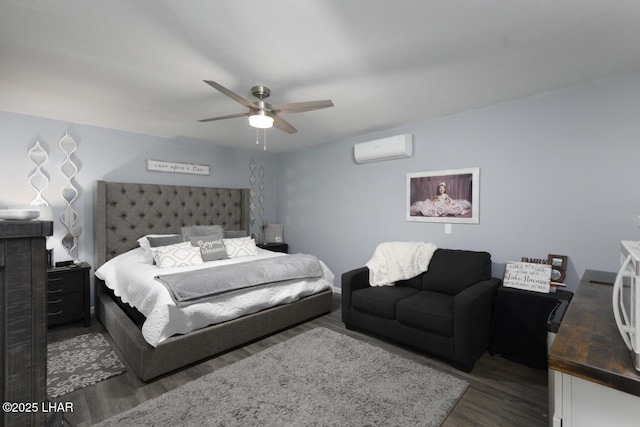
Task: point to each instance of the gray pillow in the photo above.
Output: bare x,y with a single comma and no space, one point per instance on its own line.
201,230
154,242
211,247
234,234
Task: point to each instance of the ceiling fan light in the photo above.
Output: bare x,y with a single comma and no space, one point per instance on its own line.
261,120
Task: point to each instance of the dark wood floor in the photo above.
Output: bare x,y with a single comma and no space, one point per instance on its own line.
501,393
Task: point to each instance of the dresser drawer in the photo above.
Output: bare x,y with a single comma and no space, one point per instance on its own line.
66,308
65,282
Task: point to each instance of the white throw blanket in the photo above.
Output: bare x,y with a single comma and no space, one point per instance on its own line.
393,261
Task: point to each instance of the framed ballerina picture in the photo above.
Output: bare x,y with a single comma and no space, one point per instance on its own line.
449,196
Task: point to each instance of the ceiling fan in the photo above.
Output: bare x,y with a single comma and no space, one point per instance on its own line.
263,115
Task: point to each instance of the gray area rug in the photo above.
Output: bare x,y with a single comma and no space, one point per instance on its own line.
78,362
319,378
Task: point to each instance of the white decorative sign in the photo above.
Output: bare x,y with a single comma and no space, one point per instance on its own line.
175,167
528,276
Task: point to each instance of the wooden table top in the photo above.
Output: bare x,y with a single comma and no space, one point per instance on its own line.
588,344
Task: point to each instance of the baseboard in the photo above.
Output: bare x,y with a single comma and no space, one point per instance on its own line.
337,290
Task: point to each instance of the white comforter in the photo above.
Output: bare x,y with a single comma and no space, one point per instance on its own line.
131,278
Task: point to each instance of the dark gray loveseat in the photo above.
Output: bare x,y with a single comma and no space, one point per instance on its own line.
445,311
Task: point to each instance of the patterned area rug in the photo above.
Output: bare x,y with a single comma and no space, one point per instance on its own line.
319,378
78,362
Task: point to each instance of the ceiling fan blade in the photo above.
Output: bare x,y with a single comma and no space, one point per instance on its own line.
231,94
283,125
230,116
299,107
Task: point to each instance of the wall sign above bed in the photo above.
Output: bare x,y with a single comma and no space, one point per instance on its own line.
176,167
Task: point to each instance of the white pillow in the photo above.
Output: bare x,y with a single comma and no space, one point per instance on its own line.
240,247
178,255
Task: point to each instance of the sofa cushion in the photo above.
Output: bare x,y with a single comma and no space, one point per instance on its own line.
427,311
380,300
451,271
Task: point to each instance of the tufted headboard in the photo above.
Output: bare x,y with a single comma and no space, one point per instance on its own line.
124,212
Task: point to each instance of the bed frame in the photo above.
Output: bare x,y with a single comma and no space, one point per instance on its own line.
123,212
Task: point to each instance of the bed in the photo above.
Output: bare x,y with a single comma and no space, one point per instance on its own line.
124,212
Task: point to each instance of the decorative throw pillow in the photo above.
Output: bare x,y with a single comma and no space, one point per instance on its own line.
155,242
211,248
144,243
201,230
179,255
240,247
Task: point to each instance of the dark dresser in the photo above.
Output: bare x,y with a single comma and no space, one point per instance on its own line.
23,332
594,382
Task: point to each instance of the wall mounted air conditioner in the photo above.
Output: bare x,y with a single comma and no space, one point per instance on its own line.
393,147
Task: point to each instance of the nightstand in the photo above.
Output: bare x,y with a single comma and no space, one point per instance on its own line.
275,247
68,294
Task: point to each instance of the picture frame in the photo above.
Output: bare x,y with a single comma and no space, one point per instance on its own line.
557,274
274,233
559,261
460,202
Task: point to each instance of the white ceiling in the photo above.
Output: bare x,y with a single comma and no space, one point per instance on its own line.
139,65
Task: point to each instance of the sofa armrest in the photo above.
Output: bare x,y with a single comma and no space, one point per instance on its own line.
352,281
478,289
355,279
472,311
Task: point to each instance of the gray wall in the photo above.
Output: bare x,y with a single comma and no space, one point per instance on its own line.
559,173
105,154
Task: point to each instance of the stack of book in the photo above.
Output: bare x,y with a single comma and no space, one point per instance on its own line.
555,285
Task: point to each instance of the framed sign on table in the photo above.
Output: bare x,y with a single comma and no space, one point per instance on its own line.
528,276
